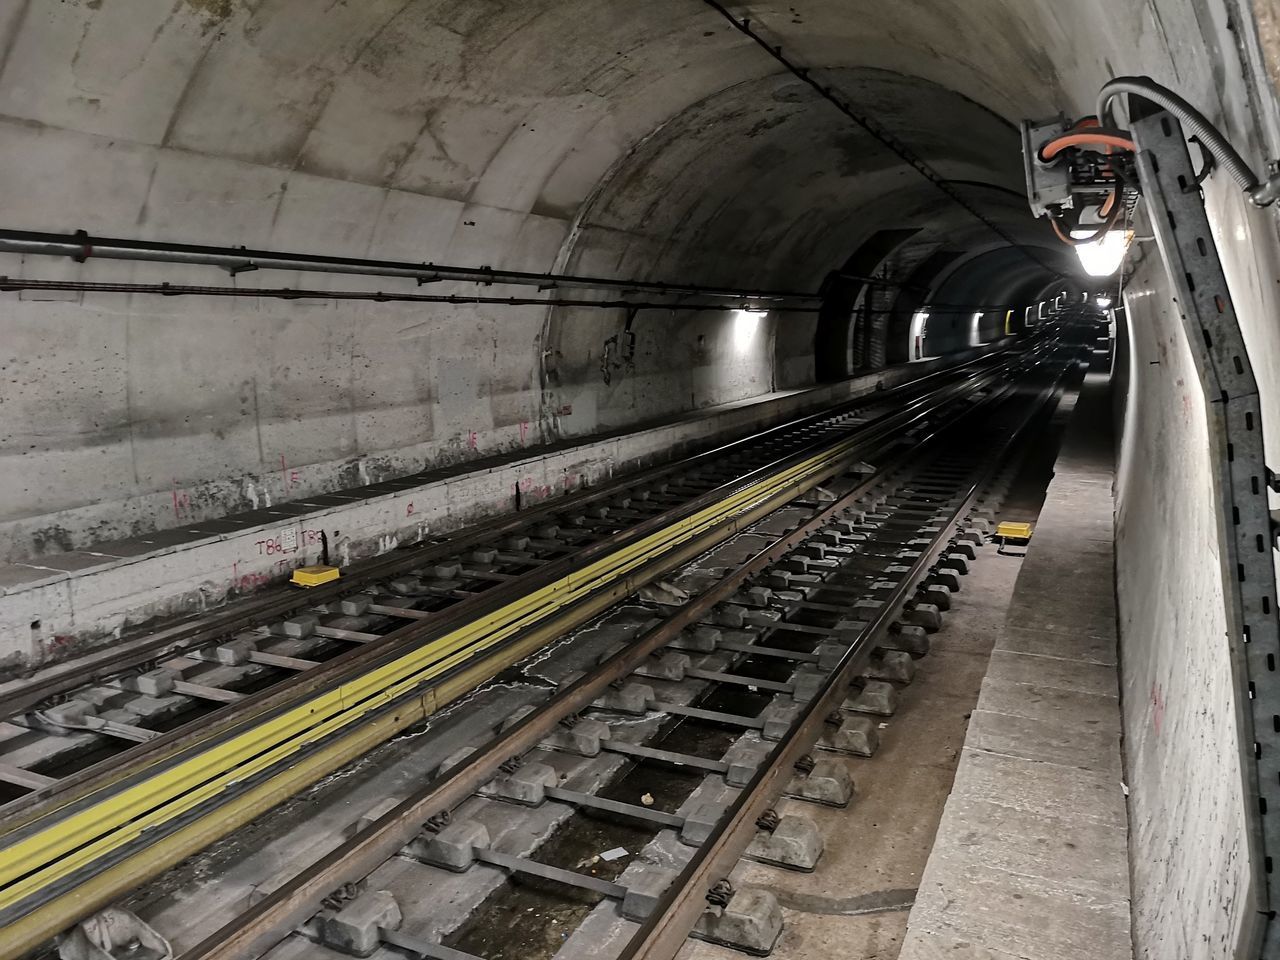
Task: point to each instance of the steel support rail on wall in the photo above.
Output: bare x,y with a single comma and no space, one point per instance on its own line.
79,246
1234,416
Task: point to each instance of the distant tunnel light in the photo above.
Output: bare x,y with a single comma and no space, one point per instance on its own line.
918,321
1103,302
1102,257
745,323
975,330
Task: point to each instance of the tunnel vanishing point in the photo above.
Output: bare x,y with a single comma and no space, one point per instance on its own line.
574,478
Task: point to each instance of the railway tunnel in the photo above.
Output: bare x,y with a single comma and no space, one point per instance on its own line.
492,479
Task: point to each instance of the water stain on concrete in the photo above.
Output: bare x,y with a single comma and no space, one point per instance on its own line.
216,10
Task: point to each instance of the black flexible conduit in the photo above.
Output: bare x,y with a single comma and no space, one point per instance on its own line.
1199,126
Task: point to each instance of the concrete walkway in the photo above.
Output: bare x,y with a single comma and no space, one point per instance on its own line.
1030,859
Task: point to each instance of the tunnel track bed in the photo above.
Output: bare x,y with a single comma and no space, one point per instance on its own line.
93,838
138,653
61,740
870,561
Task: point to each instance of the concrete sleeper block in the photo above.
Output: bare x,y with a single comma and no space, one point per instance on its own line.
778,717
233,654
761,618
938,595
700,822
645,883
829,654
632,698
583,738
828,783
795,844
526,785
453,759
354,606
752,922
702,639
668,666
453,848
856,735
908,638
354,930
153,683
371,815
924,615
743,758
69,713
806,682
876,697
728,615
296,628
945,578
895,665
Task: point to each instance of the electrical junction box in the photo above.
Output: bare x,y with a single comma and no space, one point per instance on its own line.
1048,185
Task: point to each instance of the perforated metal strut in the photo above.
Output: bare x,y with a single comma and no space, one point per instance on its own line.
1234,417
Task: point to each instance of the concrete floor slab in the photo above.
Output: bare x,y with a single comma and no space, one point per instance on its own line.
1047,643
1018,916
1060,672
1046,741
1032,784
1069,708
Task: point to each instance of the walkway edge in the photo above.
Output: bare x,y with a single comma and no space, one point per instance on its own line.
1031,855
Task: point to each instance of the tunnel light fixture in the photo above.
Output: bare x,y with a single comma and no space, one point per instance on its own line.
975,330
1102,257
1104,302
745,322
918,321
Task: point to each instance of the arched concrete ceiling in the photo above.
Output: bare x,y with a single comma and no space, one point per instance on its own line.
655,120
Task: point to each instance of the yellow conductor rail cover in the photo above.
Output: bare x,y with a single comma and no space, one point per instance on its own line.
314,576
1008,530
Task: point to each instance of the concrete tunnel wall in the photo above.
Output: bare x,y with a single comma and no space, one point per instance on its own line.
647,140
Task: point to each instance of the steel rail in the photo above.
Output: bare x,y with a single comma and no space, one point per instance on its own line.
180,638
65,850
663,934
261,926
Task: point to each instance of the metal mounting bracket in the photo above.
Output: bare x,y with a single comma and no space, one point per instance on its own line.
1234,417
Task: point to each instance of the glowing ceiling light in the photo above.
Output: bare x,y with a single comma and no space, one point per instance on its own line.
1102,257
744,326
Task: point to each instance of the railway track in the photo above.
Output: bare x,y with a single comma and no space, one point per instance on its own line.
260,702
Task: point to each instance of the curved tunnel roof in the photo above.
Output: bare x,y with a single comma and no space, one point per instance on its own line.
655,137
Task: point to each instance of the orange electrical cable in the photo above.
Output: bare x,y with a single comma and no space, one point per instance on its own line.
1058,144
